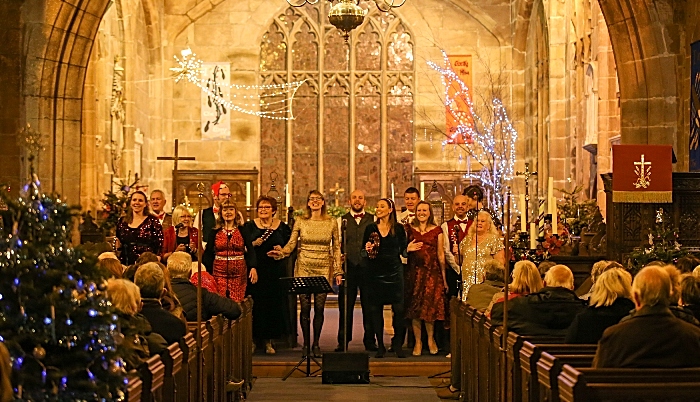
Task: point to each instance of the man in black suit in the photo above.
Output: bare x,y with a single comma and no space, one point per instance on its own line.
353,226
548,312
151,282
180,268
652,337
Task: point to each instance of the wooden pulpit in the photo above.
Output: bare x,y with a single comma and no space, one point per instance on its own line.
628,224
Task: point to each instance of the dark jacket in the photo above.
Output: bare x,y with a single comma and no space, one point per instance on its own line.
588,326
679,312
163,322
480,295
353,235
652,338
212,304
548,312
139,341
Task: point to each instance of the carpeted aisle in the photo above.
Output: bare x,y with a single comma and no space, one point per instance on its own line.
385,389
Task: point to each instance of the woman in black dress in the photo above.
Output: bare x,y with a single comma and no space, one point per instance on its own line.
138,231
269,298
385,243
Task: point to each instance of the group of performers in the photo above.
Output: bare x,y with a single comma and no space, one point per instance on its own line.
402,259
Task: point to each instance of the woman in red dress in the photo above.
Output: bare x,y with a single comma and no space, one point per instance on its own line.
233,254
426,283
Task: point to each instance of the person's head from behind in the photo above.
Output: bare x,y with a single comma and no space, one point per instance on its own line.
180,265
111,267
411,197
696,272
651,287
526,278
611,285
675,276
493,271
545,266
151,281
690,290
597,269
559,276
687,264
125,296
145,258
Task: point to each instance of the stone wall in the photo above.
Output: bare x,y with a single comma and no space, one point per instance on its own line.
10,91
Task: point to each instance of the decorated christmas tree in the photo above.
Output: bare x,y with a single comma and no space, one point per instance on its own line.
662,245
55,318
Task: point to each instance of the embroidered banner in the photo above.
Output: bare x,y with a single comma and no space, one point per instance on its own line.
642,173
694,143
215,118
462,66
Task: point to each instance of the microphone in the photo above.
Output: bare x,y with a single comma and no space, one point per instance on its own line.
344,225
179,226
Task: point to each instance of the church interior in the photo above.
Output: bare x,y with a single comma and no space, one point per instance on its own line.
526,99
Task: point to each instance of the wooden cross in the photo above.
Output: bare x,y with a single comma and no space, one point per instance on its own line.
526,174
175,159
336,192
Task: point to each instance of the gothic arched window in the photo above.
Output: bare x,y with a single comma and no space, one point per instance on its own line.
353,123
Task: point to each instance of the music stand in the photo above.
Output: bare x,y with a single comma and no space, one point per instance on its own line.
306,285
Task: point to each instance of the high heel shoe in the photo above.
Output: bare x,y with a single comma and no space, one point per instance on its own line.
269,349
417,349
432,347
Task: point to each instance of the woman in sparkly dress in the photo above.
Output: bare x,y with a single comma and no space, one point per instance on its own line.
138,231
481,244
426,282
269,297
231,253
317,235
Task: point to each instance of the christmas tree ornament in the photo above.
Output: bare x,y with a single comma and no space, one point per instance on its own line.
39,352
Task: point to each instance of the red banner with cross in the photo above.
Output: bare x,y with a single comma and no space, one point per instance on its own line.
643,173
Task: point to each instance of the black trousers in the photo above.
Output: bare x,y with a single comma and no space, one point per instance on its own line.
398,323
442,334
355,282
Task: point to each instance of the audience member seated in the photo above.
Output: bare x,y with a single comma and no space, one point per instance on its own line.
111,267
180,266
608,304
550,311
680,312
150,279
107,255
208,281
544,267
690,294
652,337
139,341
481,294
143,258
696,272
526,280
687,264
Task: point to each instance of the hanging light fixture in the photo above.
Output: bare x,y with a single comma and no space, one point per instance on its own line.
347,15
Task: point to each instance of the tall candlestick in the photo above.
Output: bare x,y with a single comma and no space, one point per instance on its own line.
550,194
553,201
469,168
422,190
523,214
533,236
287,198
392,192
247,193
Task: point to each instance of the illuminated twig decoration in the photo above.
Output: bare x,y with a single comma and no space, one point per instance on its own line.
267,101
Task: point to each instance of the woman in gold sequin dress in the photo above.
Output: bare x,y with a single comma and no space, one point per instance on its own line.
481,244
317,235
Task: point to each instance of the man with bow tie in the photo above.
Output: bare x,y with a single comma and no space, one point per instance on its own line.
356,220
158,202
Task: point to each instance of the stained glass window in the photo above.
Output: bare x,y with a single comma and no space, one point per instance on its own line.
357,96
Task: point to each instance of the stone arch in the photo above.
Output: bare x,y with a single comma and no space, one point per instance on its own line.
648,100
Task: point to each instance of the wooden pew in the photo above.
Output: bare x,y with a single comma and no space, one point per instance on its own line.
134,387
469,335
649,385
457,316
247,324
549,368
207,369
216,380
175,382
188,345
152,374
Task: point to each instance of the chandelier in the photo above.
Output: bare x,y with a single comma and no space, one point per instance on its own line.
347,15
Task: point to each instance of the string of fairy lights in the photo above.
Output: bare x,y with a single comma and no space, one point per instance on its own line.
270,101
492,143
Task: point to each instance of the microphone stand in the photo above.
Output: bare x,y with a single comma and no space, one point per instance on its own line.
200,356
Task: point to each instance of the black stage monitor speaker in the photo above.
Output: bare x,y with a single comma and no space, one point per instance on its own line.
345,368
